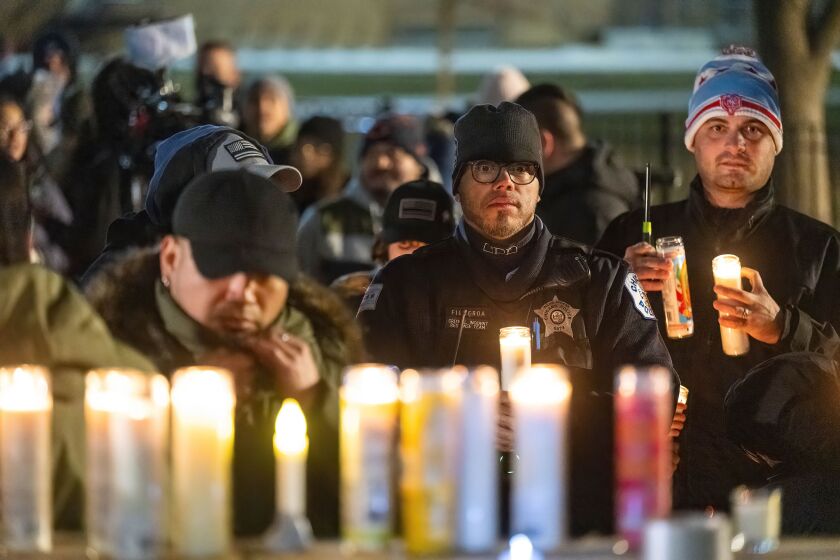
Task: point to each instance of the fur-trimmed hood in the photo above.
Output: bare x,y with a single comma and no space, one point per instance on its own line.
124,294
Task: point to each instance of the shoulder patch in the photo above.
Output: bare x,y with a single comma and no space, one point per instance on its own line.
370,298
640,299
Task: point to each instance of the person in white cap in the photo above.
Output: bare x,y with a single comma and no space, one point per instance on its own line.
791,264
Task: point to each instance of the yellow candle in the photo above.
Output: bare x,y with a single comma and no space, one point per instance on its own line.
540,395
127,426
515,349
25,464
203,403
368,425
291,446
727,272
428,447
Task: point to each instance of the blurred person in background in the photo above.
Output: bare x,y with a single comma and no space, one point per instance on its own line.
268,116
46,322
48,204
222,288
94,179
319,155
336,237
586,183
417,214
505,83
784,414
178,160
217,80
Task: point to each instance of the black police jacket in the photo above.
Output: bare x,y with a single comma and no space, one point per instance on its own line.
586,311
798,259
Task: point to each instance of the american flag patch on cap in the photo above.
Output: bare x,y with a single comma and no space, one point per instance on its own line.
242,149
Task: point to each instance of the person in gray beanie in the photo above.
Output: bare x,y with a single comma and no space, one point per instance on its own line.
445,303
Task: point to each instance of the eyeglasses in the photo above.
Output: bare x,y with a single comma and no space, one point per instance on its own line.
23,127
520,172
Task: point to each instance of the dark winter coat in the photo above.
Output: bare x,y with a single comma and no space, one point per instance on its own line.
799,262
580,200
586,312
785,410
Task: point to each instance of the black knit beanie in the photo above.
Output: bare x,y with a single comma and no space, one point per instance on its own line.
505,134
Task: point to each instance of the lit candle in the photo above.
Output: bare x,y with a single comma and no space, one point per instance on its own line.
515,348
203,401
727,272
25,464
430,403
127,428
643,411
540,395
368,397
291,529
477,519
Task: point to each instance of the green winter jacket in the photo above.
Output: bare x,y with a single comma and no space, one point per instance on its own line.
44,320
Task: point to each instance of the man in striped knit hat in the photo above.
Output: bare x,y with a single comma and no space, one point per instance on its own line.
791,264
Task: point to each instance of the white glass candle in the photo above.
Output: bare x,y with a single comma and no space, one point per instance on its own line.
291,446
203,402
540,395
757,514
727,272
478,465
515,349
127,430
291,529
25,464
369,396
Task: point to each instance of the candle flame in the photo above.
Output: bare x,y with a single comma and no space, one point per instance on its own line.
726,266
24,388
290,429
204,396
652,379
515,336
541,385
126,391
370,384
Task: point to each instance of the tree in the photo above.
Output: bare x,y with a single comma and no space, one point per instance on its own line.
795,39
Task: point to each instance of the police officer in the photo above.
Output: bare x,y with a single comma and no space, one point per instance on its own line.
445,303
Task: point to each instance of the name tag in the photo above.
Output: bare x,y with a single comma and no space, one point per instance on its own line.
474,318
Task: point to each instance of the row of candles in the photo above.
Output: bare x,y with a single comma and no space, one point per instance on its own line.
446,421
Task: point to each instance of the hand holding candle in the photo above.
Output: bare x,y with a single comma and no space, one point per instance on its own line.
727,272
755,312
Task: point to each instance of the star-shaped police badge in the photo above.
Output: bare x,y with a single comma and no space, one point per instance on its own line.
557,316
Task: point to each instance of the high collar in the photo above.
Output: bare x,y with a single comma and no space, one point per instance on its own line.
731,223
506,285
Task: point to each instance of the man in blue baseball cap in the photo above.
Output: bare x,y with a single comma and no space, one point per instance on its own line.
179,159
791,263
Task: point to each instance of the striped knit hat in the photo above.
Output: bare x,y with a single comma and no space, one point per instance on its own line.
734,83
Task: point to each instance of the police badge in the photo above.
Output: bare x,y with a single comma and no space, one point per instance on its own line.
557,316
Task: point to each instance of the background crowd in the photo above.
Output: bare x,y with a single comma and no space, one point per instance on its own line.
166,213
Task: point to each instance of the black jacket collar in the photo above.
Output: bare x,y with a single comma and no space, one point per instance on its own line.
731,223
